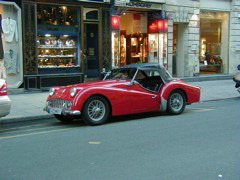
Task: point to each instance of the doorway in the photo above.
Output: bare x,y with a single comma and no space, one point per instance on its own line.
91,50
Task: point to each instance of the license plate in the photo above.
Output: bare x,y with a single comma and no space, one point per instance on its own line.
55,110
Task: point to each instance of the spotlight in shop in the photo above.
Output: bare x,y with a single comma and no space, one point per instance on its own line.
47,35
65,35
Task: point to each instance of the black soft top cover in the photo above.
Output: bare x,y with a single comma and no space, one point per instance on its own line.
147,66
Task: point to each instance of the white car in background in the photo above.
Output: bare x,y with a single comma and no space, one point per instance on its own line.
5,102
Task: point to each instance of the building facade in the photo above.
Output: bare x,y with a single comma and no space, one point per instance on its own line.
202,38
62,42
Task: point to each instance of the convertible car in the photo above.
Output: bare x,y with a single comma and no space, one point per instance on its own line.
131,89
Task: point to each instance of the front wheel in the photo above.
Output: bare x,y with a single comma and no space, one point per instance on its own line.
95,111
63,118
176,102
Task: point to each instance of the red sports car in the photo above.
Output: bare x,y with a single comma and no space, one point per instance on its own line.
131,89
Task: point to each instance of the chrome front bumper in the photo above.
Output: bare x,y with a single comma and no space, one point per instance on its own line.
62,111
61,107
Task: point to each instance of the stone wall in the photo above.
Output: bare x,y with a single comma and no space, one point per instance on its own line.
234,42
189,18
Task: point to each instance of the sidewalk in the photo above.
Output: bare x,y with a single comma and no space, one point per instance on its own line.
29,106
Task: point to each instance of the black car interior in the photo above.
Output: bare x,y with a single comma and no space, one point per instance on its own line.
149,82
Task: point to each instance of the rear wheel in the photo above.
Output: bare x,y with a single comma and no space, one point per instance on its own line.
95,111
176,102
63,118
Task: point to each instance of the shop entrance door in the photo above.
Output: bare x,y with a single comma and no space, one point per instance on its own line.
91,50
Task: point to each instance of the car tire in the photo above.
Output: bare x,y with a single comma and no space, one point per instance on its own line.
95,111
63,118
176,102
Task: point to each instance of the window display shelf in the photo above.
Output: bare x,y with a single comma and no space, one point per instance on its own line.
50,47
44,56
57,51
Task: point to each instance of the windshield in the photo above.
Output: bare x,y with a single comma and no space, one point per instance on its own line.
122,73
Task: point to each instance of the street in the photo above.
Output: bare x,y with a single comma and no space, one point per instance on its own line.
200,144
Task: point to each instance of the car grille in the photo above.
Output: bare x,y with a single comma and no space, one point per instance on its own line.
57,103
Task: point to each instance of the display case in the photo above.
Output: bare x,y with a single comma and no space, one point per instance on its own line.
122,50
115,49
158,48
57,52
153,55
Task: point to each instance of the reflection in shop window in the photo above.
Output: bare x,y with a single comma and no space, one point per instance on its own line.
57,15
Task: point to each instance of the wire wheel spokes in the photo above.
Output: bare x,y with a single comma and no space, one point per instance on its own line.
96,110
176,101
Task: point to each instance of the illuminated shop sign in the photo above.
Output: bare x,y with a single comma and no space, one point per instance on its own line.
115,22
139,4
157,26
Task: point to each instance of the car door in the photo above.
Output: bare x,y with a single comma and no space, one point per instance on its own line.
142,98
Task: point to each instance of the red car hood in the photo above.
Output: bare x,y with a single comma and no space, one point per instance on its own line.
105,83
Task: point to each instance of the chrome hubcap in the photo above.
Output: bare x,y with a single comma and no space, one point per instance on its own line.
176,101
96,110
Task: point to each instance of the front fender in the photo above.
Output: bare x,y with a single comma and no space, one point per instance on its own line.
116,96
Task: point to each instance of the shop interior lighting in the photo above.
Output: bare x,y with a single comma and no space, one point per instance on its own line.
47,35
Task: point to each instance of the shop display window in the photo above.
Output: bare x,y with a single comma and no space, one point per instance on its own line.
57,15
153,47
57,51
158,48
123,50
135,44
115,48
58,37
213,42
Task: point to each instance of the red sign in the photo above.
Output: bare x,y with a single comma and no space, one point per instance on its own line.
157,26
165,26
160,25
153,27
115,22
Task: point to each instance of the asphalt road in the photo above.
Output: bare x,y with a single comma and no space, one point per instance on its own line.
201,144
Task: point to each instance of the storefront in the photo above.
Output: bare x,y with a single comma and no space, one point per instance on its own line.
214,42
11,67
68,36
139,35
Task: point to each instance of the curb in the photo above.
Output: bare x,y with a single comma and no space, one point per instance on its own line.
24,119
207,78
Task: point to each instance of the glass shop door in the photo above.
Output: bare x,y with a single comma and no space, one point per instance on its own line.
91,50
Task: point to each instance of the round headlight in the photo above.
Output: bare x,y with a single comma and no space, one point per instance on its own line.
73,92
51,91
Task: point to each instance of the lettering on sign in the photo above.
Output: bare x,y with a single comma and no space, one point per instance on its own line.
139,4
